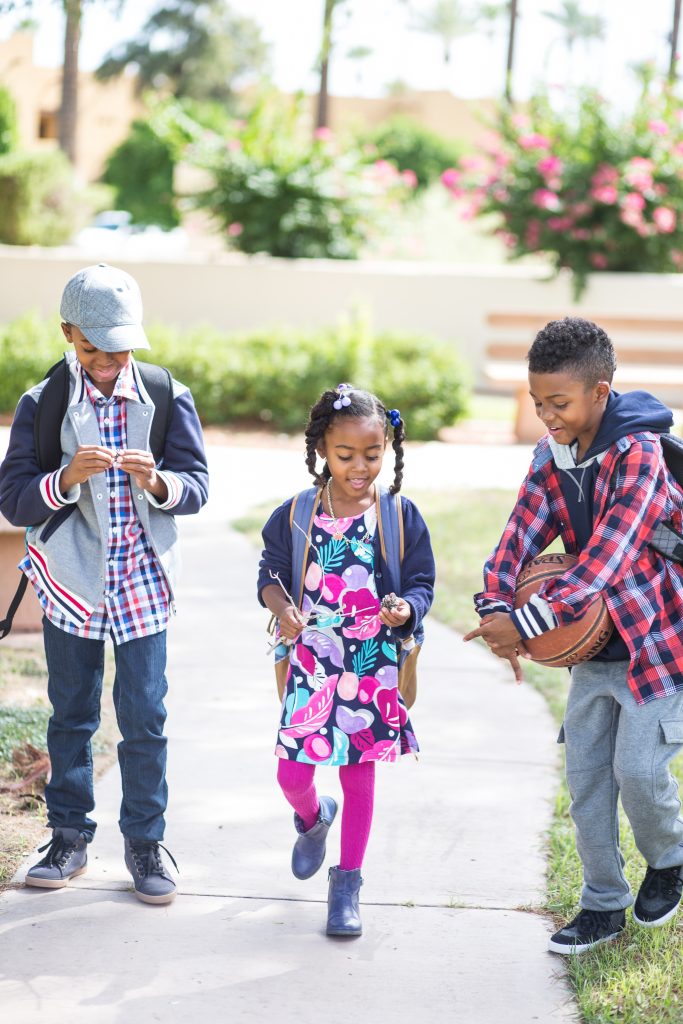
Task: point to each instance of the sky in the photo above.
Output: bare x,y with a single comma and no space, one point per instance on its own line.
399,51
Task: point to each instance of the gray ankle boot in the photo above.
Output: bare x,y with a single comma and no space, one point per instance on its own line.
343,915
66,857
309,849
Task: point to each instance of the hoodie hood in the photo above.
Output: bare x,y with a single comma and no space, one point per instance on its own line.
629,413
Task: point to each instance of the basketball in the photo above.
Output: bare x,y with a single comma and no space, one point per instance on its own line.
566,645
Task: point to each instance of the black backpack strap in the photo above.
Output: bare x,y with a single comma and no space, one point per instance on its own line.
50,411
6,623
159,386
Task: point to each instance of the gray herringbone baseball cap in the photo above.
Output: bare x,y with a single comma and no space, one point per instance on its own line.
106,306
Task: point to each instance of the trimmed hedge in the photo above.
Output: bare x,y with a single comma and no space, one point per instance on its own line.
274,375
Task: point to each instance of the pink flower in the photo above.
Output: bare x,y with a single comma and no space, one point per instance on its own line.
676,258
532,234
235,229
658,127
580,209
409,178
678,148
472,163
550,165
521,120
233,145
638,173
599,260
581,234
509,239
534,141
560,223
631,217
545,199
450,177
605,175
605,194
323,134
633,201
665,219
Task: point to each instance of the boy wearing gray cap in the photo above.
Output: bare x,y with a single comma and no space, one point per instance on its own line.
101,554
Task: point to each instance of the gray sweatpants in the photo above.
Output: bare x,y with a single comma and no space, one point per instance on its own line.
616,746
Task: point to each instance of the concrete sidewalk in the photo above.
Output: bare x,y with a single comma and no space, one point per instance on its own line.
454,870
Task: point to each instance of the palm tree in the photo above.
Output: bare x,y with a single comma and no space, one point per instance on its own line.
577,26
673,59
322,115
448,20
68,109
513,14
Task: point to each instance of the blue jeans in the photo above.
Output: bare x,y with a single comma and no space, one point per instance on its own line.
75,669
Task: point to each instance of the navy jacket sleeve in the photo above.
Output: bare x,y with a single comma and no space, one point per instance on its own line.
21,499
277,550
184,455
418,570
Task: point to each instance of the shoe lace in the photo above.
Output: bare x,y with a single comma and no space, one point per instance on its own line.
147,857
58,849
663,882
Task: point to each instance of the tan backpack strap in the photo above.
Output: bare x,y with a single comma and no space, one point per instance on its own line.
401,534
380,531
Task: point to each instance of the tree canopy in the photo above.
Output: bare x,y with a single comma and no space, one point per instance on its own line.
196,48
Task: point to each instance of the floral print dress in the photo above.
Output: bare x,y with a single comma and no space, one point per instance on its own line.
341,704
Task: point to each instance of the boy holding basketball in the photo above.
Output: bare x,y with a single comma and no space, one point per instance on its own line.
598,481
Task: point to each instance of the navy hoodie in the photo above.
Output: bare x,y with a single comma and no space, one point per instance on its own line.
630,413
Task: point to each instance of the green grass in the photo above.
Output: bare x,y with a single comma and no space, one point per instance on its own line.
639,978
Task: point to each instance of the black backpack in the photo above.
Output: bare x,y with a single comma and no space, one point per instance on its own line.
666,539
51,410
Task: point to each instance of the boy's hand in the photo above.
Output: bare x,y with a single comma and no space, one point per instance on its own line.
292,622
142,468
503,639
89,460
394,611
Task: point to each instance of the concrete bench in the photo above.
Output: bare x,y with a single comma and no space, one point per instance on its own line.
649,356
29,615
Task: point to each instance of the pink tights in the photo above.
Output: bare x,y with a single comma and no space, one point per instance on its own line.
358,784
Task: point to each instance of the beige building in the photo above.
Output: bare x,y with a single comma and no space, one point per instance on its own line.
105,110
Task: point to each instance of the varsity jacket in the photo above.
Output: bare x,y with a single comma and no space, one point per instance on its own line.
67,534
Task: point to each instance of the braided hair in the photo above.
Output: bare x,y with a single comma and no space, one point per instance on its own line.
362,405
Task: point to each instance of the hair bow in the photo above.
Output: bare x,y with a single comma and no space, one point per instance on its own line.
343,393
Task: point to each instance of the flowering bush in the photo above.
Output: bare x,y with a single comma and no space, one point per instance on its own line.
593,192
277,190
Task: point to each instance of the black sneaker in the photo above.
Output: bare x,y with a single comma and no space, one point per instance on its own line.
589,928
66,858
151,881
659,896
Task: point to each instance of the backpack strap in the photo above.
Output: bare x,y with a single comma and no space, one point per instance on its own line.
301,517
391,536
6,623
159,386
51,410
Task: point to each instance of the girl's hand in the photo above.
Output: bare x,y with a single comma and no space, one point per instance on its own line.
142,468
394,611
292,622
88,460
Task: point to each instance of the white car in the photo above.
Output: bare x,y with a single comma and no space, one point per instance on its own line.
112,233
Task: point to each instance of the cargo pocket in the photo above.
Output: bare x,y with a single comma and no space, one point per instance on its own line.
560,735
670,742
672,729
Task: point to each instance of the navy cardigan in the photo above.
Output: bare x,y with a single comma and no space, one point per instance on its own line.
417,568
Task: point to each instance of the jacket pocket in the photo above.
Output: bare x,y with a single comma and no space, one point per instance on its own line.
55,521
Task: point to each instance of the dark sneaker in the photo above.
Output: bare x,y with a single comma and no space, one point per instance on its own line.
150,878
659,896
589,928
66,858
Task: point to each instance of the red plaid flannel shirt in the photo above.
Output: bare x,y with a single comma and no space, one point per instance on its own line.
643,590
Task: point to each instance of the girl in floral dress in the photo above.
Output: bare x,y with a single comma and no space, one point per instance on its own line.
341,705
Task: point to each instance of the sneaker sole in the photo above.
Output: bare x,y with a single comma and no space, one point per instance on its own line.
156,900
659,921
574,950
52,883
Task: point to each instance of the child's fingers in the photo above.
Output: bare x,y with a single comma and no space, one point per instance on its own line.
516,668
473,634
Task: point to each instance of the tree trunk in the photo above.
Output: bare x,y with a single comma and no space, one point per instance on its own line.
68,113
322,116
512,26
673,60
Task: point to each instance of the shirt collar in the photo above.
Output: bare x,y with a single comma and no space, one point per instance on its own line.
125,386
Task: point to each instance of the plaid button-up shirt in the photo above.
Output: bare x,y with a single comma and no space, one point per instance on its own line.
136,599
643,591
